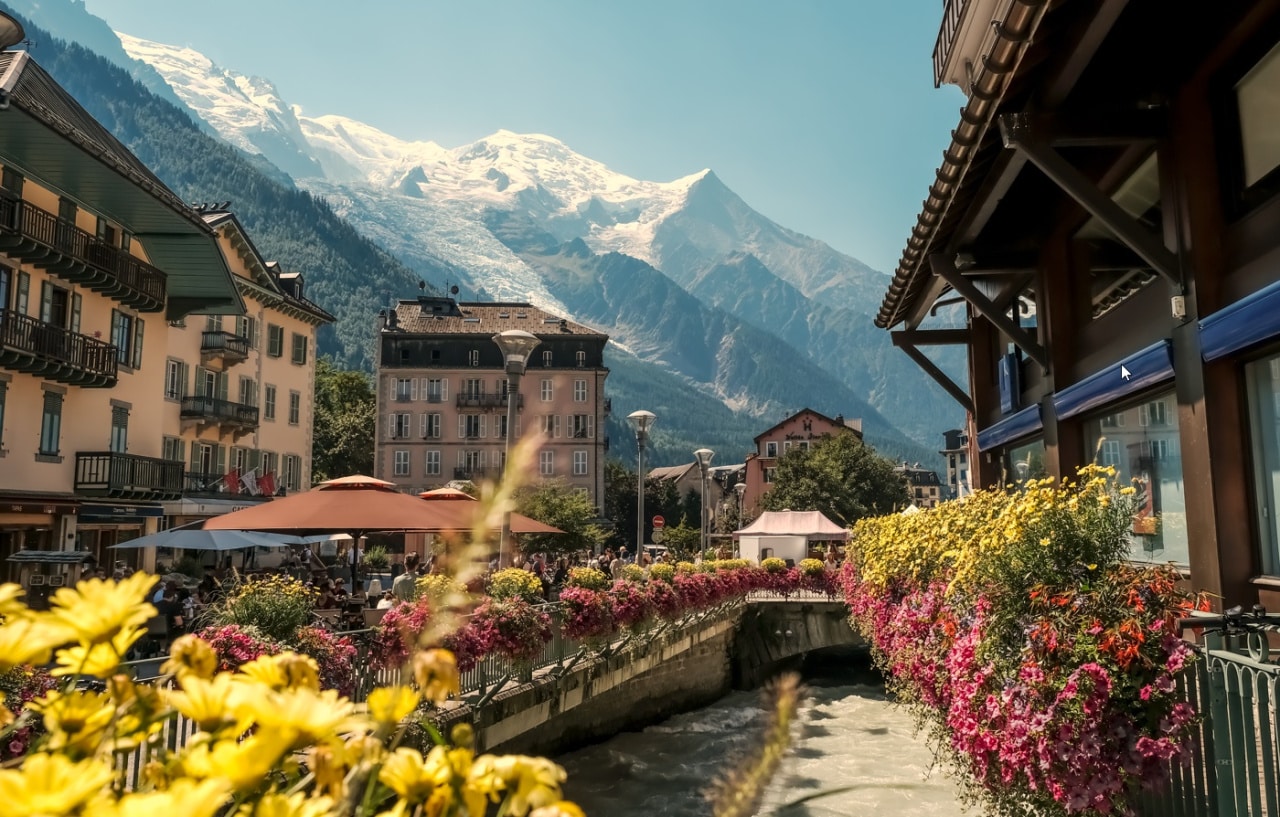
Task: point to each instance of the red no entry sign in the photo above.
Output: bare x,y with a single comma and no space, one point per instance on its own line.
658,521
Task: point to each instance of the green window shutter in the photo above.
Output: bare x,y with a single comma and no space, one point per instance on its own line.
24,290
222,385
46,301
137,343
183,390
220,459
75,313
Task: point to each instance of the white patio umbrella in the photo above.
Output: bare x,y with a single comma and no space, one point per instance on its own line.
214,540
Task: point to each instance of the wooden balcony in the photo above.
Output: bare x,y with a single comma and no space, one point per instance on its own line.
35,347
952,15
40,238
235,417
127,476
223,346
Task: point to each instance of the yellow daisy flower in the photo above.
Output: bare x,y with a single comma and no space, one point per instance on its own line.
283,805
436,672
413,777
288,670
190,655
96,611
186,797
308,715
75,720
208,703
27,641
390,705
11,601
560,808
51,785
100,659
241,764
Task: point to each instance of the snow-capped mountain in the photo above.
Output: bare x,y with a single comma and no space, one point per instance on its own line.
496,209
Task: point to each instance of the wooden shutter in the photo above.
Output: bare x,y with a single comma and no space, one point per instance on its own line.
220,381
591,426
24,290
75,312
413,388
444,389
137,343
462,426
46,301
391,389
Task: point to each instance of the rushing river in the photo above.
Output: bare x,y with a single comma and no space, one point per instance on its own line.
848,735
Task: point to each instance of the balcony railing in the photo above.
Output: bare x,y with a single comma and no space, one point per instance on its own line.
466,400
952,14
33,346
231,348
127,476
478,472
46,241
222,412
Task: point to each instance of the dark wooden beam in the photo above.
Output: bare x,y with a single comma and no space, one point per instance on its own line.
1079,187
929,337
924,304
1004,172
1077,59
944,269
1093,128
940,377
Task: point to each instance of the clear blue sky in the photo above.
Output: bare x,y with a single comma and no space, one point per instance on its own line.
821,114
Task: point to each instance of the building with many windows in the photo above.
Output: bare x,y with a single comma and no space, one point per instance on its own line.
442,395
923,485
800,430
1109,214
239,389
97,256
956,454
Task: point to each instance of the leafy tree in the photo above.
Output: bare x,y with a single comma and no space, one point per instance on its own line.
557,503
660,499
683,540
345,410
840,476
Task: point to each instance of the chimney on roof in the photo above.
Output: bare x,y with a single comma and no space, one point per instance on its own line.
564,325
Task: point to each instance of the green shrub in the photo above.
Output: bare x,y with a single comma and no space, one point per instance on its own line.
812,567
189,566
515,583
376,559
774,565
588,578
276,605
662,573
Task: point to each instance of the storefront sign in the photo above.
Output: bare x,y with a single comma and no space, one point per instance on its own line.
95,512
35,507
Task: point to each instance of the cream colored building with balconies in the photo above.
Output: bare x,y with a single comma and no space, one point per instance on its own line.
96,257
239,389
442,395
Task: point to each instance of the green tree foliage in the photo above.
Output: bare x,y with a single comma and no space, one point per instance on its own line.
684,540
557,503
840,476
345,410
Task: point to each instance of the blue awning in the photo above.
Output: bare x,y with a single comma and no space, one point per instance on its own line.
1250,320
1011,428
1147,368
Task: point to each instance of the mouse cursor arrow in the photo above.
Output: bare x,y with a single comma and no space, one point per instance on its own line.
1124,372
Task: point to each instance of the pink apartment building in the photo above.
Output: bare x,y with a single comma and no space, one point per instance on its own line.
800,430
442,395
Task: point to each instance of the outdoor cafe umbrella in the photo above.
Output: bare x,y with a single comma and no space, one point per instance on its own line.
213,540
457,503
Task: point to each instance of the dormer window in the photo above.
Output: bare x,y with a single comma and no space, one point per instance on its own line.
547,358
473,357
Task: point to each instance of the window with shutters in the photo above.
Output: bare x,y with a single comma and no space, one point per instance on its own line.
399,425
580,391
473,388
502,427
126,336
547,463
4,390
401,463
584,426
51,424
433,463
437,390
403,389
275,340
579,463
248,391
269,462
295,411
175,379
291,473
239,459
269,402
472,426
174,449
547,390
55,305
431,426
247,328
119,429
298,355
551,425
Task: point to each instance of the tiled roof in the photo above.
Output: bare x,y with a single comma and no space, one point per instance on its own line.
482,318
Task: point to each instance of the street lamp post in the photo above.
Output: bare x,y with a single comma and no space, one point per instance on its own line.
739,489
516,346
704,456
643,421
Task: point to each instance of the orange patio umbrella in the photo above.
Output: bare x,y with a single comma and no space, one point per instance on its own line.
456,501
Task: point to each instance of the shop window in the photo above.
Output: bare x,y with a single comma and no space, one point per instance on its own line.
1264,418
1025,462
1257,97
1141,442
